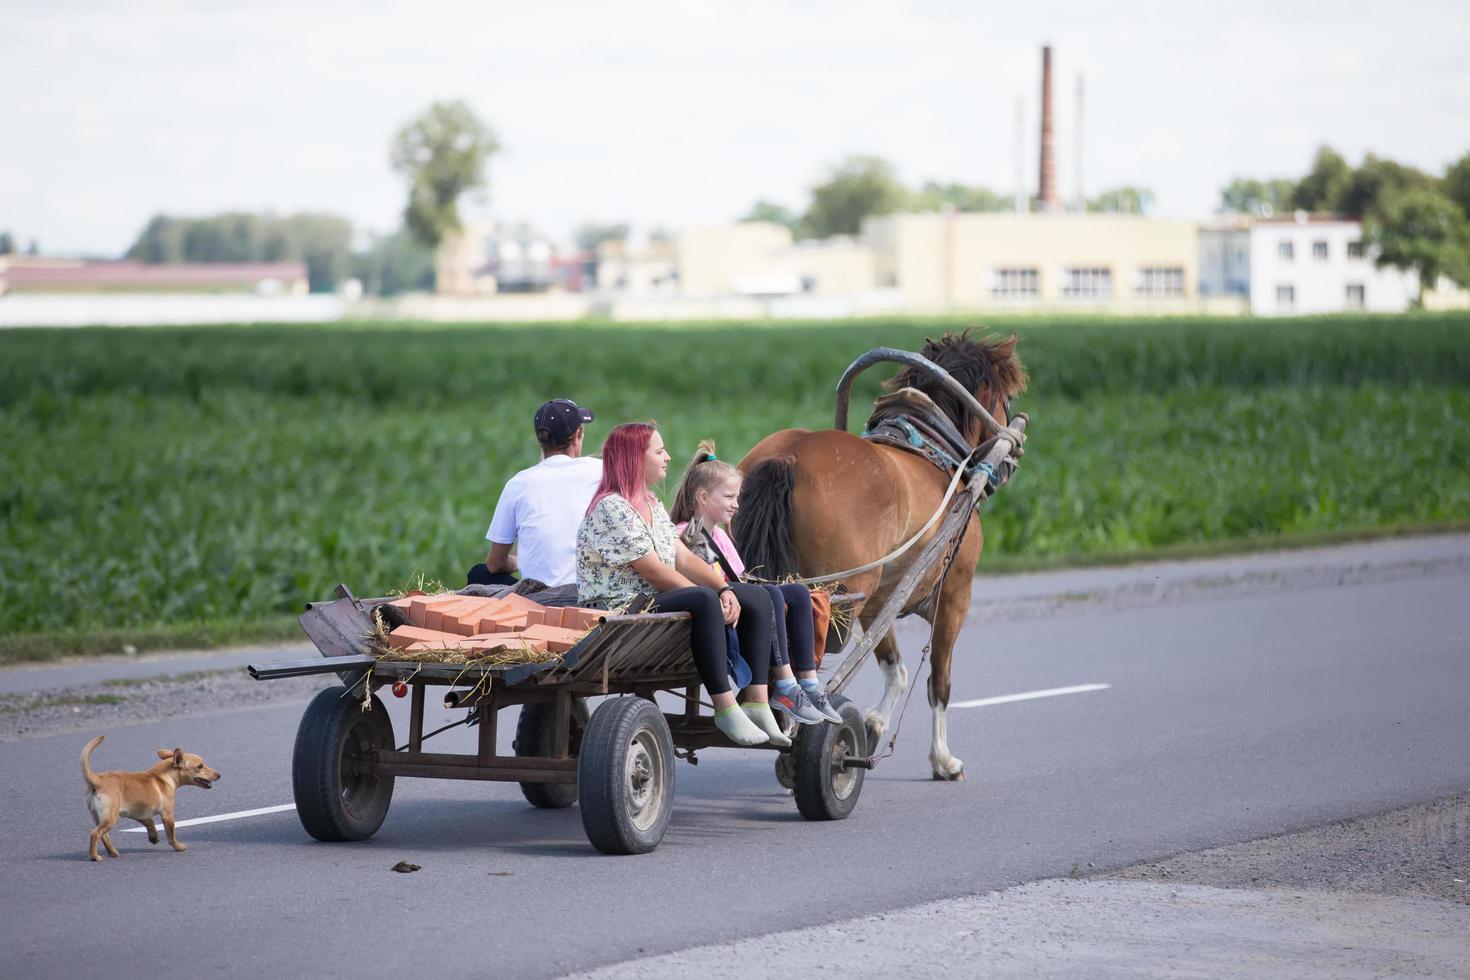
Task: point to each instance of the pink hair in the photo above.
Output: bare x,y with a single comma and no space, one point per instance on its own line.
622,463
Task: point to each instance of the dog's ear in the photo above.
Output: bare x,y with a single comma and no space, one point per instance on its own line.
165,754
179,758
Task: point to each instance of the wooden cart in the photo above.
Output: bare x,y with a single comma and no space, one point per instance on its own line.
618,764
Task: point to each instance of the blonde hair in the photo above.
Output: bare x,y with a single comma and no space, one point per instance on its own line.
705,470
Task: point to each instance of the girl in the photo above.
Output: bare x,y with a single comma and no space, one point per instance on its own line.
704,504
628,550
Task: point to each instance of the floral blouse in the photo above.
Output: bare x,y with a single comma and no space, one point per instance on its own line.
611,538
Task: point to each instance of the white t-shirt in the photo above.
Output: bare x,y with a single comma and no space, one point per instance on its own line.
540,511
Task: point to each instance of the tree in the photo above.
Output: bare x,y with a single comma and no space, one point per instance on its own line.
1419,228
1325,186
770,211
322,241
591,234
443,154
1456,183
396,263
34,248
1249,196
1123,200
7,243
935,196
858,187
1377,181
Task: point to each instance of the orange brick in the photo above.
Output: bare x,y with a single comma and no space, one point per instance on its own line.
420,605
505,620
464,619
442,616
581,620
507,641
557,640
404,637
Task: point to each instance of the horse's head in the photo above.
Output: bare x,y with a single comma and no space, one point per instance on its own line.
988,368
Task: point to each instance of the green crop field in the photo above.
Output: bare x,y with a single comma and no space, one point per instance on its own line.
177,486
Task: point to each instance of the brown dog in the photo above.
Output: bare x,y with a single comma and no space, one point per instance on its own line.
140,795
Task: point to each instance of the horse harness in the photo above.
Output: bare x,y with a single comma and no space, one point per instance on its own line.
909,420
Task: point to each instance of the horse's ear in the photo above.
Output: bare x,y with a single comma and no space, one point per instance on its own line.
1008,367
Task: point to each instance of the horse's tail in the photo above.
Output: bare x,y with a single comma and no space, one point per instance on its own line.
87,750
762,525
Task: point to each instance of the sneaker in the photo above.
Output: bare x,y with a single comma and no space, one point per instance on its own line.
796,704
818,698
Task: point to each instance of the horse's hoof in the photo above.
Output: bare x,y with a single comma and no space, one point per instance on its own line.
875,729
954,775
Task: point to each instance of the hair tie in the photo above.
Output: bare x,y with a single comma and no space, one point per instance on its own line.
710,457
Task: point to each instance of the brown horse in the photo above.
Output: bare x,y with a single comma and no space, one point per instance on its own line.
814,503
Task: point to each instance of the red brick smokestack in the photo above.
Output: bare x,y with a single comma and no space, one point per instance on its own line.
1048,187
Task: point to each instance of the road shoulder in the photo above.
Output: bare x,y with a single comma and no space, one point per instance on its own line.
1383,895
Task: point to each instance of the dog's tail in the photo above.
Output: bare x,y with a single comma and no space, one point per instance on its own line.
87,750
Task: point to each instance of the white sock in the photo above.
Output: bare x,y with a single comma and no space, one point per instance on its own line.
813,684
760,713
739,728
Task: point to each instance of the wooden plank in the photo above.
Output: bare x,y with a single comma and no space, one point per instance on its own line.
496,773
452,759
489,725
416,719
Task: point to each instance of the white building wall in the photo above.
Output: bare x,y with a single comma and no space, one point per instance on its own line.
1317,283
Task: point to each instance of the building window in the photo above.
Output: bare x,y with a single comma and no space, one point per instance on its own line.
1166,281
1087,283
1284,251
1357,296
1285,297
1014,284
1319,251
1355,249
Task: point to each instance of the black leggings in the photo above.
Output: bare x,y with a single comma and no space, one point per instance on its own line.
795,630
707,632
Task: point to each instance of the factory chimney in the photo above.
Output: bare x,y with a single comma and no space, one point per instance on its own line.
1048,199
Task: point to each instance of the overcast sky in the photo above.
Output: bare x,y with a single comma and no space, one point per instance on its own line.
682,112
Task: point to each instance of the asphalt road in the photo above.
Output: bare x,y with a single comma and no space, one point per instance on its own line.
1247,698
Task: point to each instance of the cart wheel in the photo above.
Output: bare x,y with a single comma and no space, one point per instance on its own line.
536,735
625,776
786,770
336,798
824,789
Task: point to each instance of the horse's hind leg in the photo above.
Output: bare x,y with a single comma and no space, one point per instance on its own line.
953,607
895,680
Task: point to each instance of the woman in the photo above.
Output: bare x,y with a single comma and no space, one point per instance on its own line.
627,549
704,505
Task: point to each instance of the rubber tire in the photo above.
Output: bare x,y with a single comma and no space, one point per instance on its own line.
535,733
604,777
316,767
816,785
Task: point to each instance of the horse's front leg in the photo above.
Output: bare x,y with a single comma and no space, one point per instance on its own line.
954,605
895,680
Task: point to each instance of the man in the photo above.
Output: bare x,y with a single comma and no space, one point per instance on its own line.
541,508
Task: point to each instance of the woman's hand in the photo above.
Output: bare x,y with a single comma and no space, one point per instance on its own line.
731,607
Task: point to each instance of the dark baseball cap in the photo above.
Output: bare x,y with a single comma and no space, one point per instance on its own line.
559,419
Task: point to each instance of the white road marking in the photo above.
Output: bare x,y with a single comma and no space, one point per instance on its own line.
237,815
1029,695
977,703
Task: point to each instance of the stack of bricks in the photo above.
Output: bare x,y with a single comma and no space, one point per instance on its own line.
476,625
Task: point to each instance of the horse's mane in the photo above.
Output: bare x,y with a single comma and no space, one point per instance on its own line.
988,362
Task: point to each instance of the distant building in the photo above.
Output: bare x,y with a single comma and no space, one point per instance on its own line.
27,274
1225,258
520,259
762,259
647,270
1305,263
1111,262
